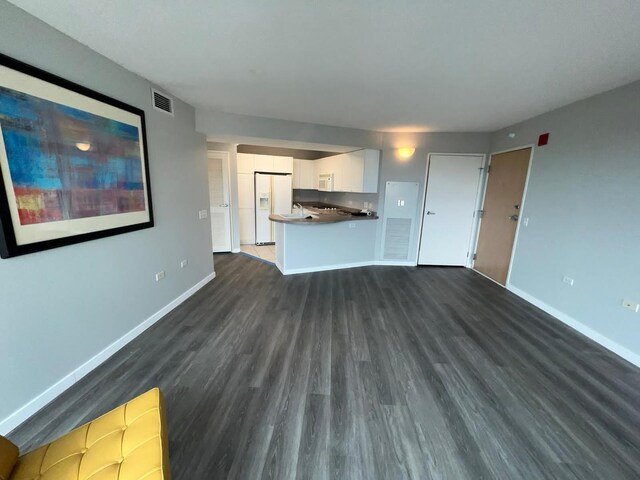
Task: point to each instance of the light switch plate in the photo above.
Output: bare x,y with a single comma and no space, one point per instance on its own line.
160,275
202,214
567,280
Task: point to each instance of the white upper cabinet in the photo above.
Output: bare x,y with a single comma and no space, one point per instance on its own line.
322,166
295,178
371,171
282,164
339,168
304,174
354,171
264,163
246,163
308,177
250,163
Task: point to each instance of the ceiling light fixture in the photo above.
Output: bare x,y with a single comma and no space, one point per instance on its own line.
406,152
83,147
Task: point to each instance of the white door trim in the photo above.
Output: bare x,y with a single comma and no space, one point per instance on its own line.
473,237
232,219
524,196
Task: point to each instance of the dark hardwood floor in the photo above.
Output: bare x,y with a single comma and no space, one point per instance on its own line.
369,373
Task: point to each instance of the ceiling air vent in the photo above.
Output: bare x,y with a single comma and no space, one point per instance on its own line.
162,102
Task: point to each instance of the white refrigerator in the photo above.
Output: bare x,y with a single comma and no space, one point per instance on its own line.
273,195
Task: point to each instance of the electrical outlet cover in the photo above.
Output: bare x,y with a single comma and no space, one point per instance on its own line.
629,305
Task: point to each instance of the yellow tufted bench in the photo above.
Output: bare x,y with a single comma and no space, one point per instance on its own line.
128,443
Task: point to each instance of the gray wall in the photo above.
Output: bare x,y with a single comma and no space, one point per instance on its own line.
583,204
61,307
284,152
393,168
231,126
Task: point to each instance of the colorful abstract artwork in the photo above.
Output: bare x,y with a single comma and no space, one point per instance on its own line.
67,164
73,163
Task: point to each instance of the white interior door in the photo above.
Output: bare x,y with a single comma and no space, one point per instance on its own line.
449,213
219,201
263,208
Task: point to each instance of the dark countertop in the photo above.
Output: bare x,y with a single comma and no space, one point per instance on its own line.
341,214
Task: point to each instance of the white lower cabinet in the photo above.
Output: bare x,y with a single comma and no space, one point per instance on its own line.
247,225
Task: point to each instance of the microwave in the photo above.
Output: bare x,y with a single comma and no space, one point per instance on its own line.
325,182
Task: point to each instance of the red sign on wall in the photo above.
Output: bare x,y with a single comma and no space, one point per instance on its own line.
543,139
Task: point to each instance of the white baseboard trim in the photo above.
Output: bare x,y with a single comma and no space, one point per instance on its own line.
27,410
341,266
235,250
323,268
579,326
396,263
492,280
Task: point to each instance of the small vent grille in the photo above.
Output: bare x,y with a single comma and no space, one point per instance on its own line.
397,238
162,102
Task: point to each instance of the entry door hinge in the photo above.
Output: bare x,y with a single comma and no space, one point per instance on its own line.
475,256
480,213
488,168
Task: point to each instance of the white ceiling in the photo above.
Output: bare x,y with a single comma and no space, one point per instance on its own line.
393,65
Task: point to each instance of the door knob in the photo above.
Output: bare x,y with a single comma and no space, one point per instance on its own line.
223,205
430,213
513,217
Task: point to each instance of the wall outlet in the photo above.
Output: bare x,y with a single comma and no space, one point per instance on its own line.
184,263
202,214
159,276
567,280
629,305
525,221
352,224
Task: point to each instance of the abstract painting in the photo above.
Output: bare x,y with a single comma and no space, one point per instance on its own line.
73,163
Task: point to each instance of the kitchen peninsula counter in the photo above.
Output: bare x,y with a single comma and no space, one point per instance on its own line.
337,240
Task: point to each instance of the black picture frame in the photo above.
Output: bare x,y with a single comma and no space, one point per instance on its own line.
9,246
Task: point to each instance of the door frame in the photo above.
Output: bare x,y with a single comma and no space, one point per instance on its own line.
532,146
479,198
232,219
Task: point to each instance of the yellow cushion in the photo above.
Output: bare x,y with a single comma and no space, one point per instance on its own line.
128,443
8,457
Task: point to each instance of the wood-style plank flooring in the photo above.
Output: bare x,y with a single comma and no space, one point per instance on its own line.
369,373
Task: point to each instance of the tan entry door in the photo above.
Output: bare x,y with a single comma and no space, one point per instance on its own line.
501,211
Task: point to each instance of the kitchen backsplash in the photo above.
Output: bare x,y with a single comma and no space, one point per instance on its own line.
345,199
